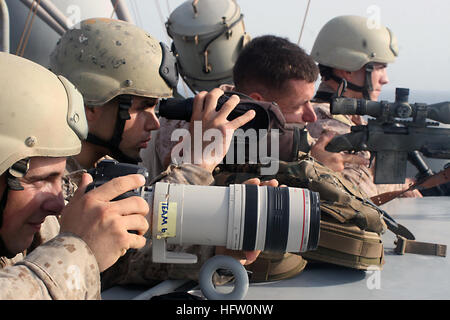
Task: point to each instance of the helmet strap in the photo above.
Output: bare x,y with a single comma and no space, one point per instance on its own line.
18,169
366,89
123,114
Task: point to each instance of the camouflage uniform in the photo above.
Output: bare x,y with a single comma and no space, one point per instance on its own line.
61,268
360,175
156,156
137,267
54,266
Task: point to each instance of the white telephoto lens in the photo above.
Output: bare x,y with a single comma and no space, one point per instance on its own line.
239,217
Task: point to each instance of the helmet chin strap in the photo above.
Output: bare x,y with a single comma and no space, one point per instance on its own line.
366,89
19,169
123,114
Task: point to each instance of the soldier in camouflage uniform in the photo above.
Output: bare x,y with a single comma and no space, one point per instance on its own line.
122,71
41,258
363,55
270,68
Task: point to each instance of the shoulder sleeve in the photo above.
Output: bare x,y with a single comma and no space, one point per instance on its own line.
185,174
62,268
340,124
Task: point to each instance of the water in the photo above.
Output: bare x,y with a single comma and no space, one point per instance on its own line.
418,96
429,97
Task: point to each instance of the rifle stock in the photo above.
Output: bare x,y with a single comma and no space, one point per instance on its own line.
427,182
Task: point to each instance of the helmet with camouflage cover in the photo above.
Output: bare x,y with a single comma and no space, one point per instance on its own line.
350,43
108,58
105,58
208,36
41,114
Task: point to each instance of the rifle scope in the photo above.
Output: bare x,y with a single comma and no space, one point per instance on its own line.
399,109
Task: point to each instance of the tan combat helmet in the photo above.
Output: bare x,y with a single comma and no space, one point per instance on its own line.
108,58
105,58
41,114
352,42
208,36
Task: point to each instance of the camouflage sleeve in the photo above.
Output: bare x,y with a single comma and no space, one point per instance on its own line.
62,268
326,121
185,174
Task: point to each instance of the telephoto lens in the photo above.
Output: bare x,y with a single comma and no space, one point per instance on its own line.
239,217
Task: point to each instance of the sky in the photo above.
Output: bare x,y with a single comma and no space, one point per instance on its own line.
422,28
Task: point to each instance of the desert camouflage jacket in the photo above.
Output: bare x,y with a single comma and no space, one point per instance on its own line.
54,267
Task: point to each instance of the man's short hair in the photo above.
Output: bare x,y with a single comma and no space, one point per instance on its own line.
271,61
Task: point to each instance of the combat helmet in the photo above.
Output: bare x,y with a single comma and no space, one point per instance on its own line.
351,43
108,58
208,36
41,114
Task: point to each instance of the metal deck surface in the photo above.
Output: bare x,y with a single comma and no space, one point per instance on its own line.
409,276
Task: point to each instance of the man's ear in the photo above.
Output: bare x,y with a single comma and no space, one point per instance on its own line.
256,96
347,75
92,113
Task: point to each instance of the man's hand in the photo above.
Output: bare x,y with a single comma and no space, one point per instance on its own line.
103,224
204,110
411,193
336,161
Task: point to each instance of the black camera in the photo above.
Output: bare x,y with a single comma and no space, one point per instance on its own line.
181,109
109,169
